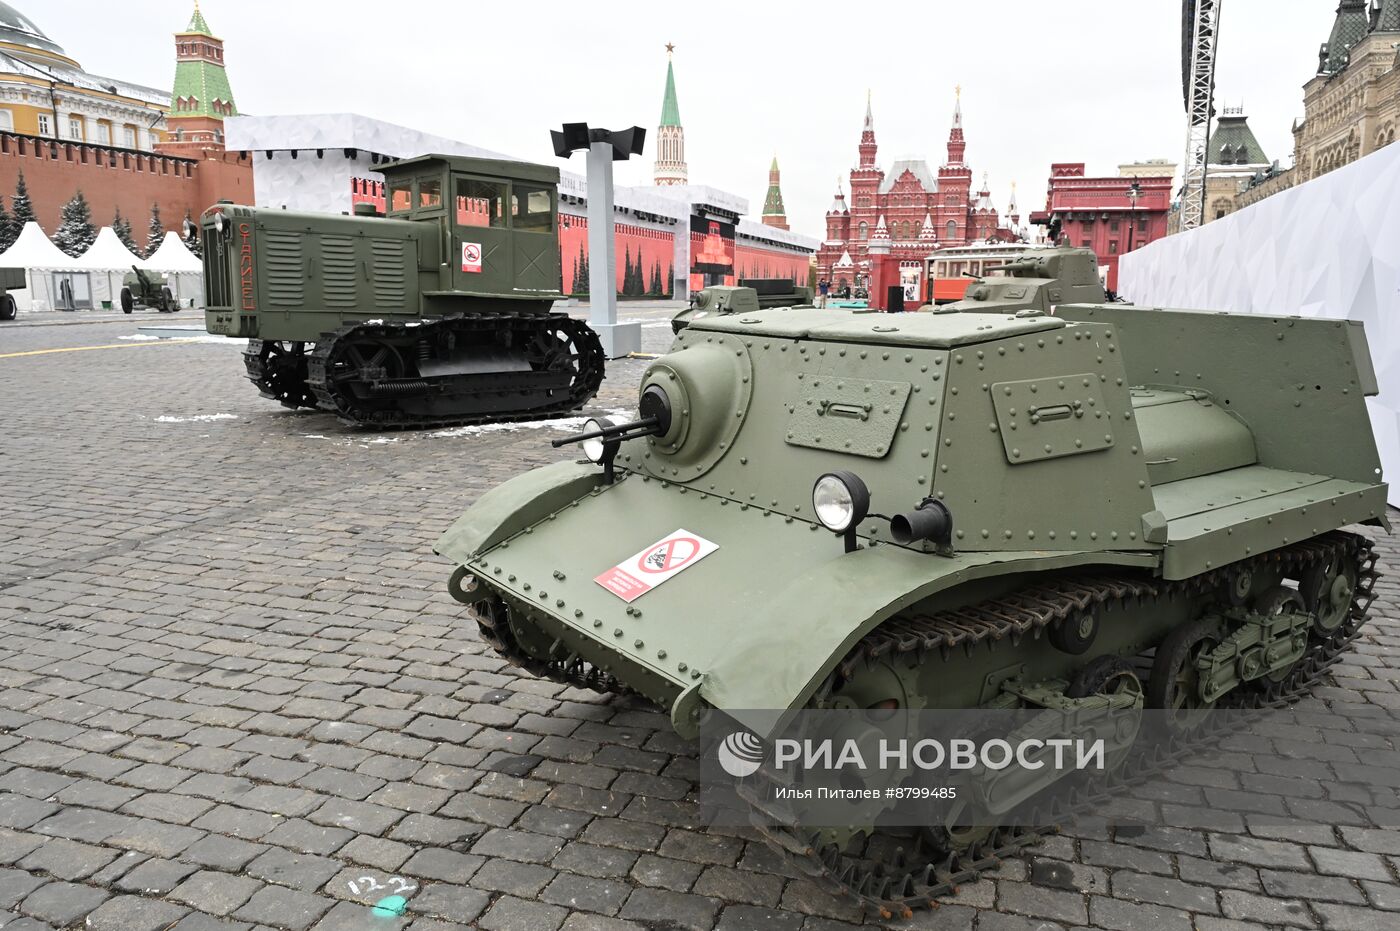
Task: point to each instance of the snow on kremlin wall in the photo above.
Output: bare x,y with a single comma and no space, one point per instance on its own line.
1326,248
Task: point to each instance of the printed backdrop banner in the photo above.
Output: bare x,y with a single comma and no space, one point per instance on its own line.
1327,248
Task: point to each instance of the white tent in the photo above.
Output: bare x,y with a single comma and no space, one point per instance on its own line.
186,272
109,260
40,258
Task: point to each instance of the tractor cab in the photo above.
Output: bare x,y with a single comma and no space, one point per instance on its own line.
500,221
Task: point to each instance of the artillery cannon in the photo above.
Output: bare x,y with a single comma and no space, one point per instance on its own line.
141,287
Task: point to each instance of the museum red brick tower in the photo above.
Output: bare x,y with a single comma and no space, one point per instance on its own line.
920,210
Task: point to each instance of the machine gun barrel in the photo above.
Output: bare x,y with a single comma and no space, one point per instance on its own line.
647,426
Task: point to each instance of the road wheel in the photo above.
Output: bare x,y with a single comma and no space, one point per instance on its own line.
166,302
8,309
1174,684
1327,590
128,302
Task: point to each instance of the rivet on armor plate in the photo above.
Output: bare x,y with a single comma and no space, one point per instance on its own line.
527,586
637,644
1007,534
510,578
695,674
597,623
617,631
682,667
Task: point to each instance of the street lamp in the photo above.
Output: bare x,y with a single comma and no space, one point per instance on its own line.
603,147
1134,192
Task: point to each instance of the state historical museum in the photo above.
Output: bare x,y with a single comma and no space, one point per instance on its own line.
917,210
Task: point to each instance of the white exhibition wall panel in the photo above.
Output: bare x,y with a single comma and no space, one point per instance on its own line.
1327,248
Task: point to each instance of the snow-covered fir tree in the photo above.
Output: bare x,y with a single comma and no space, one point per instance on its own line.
75,227
22,208
155,232
122,227
8,231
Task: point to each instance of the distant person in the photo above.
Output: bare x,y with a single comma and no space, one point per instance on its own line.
824,287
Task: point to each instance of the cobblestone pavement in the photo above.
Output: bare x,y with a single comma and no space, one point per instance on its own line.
234,693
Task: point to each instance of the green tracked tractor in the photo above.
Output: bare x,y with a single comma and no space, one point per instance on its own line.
1107,507
438,314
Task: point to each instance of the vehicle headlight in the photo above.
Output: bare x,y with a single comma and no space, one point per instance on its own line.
840,500
593,448
219,222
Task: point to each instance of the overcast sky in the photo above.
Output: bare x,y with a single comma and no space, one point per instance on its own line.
1097,81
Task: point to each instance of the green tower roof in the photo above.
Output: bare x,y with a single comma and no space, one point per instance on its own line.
773,203
670,110
1350,27
203,81
1233,142
197,23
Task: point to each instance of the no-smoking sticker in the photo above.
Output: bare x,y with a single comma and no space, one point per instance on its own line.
471,256
634,577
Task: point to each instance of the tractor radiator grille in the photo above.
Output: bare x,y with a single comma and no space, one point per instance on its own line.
389,275
218,284
286,268
338,271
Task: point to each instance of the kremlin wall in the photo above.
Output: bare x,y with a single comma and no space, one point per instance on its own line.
130,149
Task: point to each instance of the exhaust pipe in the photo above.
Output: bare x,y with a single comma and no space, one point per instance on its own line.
931,520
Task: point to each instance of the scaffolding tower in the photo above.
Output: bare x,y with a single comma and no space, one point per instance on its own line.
1200,23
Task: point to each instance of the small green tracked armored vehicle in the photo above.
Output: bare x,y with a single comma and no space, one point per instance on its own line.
749,295
438,314
1039,280
1110,507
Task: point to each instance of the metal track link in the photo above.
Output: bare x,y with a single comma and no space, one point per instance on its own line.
331,395
495,629
904,877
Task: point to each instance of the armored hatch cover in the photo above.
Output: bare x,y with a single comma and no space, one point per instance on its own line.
939,331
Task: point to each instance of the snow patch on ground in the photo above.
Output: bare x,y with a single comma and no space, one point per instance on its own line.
176,337
196,418
558,423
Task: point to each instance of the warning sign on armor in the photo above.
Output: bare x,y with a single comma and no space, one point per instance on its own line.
634,577
471,256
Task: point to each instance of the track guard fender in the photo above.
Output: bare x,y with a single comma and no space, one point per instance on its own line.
514,505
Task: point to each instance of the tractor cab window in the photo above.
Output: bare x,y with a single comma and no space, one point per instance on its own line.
429,192
532,208
400,195
480,203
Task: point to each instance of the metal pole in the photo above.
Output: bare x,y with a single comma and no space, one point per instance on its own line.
618,339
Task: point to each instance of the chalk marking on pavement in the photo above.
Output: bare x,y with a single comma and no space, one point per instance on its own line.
44,352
